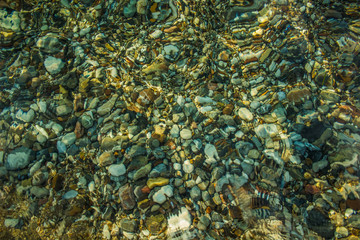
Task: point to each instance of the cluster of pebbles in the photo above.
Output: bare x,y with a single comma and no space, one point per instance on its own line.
179,119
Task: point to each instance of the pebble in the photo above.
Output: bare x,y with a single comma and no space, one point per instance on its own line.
18,158
69,138
106,159
107,107
117,170
25,116
161,195
188,167
53,65
185,134
245,114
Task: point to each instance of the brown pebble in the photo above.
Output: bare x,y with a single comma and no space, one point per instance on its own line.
228,109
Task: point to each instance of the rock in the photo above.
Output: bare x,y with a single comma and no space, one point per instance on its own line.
343,154
228,109
146,97
127,198
63,110
10,20
185,134
298,95
155,182
319,165
106,159
341,232
70,194
39,192
53,65
18,158
175,131
188,167
11,222
245,114
25,116
49,43
195,193
211,153
87,120
117,170
69,138
266,130
136,150
106,107
128,225
160,196
253,154
155,223
330,96
142,172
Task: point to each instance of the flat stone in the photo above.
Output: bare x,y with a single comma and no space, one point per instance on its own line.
53,65
319,165
25,116
245,114
63,110
106,159
188,167
49,43
117,170
142,172
185,134
266,130
11,222
155,182
69,138
136,150
39,192
265,55
128,225
18,158
106,107
329,96
127,198
160,196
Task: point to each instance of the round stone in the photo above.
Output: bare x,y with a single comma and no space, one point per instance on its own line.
117,170
185,134
188,167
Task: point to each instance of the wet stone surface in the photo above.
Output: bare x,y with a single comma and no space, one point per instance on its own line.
144,119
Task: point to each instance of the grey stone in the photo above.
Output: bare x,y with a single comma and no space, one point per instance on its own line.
142,172
117,170
18,158
69,138
63,110
330,96
175,131
185,134
245,114
195,193
317,166
11,222
106,107
10,20
25,116
39,192
266,130
136,150
49,43
53,65
70,194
